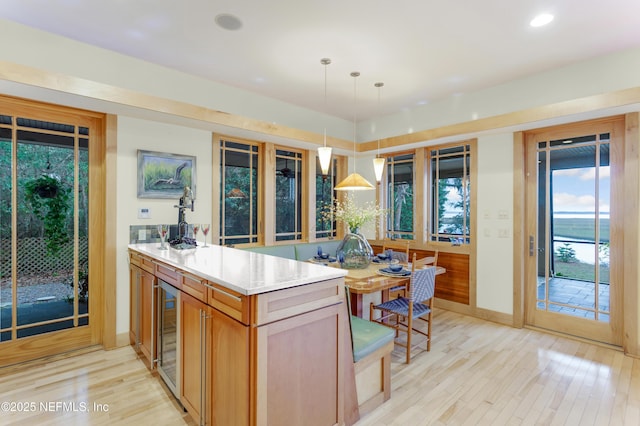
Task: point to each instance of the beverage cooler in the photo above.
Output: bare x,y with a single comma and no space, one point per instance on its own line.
168,361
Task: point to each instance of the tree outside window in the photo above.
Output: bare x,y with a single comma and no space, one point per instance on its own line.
239,197
400,199
450,188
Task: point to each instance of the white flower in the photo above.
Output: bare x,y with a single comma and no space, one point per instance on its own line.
351,214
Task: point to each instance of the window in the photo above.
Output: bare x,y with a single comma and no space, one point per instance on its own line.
288,203
239,175
400,196
450,194
325,228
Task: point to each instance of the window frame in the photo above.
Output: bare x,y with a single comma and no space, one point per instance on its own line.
391,160
256,148
300,232
470,160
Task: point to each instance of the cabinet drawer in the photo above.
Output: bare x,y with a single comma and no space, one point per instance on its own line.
193,286
230,302
141,262
168,274
277,305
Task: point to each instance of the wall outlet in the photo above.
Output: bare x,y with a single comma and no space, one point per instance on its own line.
142,234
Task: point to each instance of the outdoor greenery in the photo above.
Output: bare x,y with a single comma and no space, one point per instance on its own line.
50,200
566,253
566,263
45,167
580,228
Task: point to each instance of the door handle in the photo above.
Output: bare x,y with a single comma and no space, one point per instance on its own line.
531,244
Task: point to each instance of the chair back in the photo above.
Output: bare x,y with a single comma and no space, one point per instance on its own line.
422,285
402,247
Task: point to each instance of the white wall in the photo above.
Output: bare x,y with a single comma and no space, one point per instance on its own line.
603,74
51,52
135,134
494,219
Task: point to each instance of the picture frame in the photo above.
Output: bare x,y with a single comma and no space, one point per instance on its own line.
164,175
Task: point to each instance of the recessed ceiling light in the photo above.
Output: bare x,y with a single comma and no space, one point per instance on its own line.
540,20
228,21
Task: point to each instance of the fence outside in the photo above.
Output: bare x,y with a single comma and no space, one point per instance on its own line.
33,259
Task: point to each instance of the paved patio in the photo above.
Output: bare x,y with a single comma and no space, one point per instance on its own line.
579,295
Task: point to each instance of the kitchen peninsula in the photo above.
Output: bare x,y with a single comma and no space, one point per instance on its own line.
242,338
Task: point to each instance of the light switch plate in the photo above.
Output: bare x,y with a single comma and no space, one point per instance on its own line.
144,213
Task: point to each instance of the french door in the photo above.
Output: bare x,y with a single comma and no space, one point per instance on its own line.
50,197
574,229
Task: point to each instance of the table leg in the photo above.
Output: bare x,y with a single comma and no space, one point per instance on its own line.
356,304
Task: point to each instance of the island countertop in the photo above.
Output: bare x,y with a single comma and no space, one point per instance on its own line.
240,270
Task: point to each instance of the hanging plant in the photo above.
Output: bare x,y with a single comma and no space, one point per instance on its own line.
50,201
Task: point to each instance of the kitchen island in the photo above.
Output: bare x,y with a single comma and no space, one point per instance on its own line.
251,339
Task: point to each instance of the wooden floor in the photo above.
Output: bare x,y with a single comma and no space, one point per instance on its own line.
477,373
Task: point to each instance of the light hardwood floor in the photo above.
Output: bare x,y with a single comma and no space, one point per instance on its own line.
477,373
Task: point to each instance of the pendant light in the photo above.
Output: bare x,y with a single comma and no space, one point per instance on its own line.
324,152
378,162
354,182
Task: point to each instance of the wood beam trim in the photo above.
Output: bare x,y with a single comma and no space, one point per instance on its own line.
517,118
108,93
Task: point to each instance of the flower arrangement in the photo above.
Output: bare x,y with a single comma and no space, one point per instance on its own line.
353,215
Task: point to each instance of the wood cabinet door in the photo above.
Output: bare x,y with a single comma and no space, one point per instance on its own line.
195,323
134,310
300,373
147,316
229,392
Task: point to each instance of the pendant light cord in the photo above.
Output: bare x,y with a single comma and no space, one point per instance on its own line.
355,76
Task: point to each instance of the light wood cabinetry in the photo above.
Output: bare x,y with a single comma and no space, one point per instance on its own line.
195,320
269,358
142,326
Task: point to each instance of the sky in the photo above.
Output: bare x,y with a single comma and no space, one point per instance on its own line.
574,190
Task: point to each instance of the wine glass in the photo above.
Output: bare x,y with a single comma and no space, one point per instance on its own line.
196,228
163,231
205,231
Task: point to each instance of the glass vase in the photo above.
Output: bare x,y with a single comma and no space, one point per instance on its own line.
354,251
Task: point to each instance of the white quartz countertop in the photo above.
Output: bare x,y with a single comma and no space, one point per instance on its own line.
240,270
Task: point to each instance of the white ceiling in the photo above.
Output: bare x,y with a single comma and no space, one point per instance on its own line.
423,50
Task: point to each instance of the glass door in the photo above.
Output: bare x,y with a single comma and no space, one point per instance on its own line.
168,336
46,303
574,248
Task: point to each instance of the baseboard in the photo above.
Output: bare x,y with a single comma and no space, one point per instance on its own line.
122,339
480,313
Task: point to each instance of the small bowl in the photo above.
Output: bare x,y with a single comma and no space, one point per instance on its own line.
324,256
395,267
383,256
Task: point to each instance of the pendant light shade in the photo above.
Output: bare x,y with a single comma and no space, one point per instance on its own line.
378,168
354,182
324,152
378,162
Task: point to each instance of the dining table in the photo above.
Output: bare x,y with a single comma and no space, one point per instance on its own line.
371,280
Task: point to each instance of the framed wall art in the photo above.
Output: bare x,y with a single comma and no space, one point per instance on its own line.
162,175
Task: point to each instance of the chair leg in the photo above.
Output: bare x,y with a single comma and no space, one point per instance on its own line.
429,332
409,332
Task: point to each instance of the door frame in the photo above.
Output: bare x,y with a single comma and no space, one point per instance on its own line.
52,343
628,129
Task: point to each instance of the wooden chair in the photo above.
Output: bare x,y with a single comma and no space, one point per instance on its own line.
400,249
404,310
